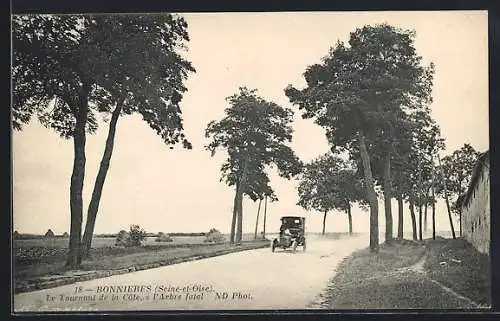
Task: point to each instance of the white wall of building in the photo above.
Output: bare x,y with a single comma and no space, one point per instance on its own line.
476,213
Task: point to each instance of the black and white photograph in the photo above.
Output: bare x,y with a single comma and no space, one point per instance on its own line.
201,161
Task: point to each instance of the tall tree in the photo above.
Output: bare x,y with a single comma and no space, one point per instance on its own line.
255,134
418,164
314,186
151,85
350,189
68,68
361,91
447,200
51,79
328,183
457,169
456,172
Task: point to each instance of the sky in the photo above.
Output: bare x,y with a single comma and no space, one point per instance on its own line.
179,190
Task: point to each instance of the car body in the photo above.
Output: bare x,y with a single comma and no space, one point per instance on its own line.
292,234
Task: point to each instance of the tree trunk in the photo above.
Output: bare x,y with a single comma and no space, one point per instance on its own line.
239,224
449,215
265,215
460,221
425,215
426,205
257,220
433,200
425,209
349,216
387,199
433,215
99,182
400,216
448,204
420,222
413,220
459,208
371,195
324,222
76,187
243,183
235,214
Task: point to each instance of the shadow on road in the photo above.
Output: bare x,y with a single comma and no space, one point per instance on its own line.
289,252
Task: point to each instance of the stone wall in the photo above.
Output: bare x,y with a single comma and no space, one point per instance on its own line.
476,213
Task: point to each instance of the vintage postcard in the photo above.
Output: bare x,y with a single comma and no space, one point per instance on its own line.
250,161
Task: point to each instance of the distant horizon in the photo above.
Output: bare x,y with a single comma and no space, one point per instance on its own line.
271,233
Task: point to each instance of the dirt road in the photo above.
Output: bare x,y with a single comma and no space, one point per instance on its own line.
257,279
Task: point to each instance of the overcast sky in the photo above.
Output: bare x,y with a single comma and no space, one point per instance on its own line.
179,190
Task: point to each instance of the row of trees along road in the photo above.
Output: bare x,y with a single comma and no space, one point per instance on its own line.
330,183
371,96
70,69
254,133
456,170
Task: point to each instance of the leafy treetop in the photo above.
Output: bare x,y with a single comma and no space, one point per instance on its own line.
255,134
62,61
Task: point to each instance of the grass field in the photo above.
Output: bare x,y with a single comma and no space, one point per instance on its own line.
42,250
102,242
98,242
38,258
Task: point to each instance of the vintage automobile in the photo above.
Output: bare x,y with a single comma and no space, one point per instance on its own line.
291,235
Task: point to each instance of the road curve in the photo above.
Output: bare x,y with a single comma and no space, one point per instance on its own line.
256,279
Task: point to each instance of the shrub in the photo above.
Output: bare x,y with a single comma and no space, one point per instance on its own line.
214,236
122,238
133,237
65,234
136,235
162,237
49,233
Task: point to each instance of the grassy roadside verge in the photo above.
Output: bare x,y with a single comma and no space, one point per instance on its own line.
457,265
411,275
53,273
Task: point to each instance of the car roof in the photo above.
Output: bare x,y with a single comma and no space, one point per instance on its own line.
292,217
